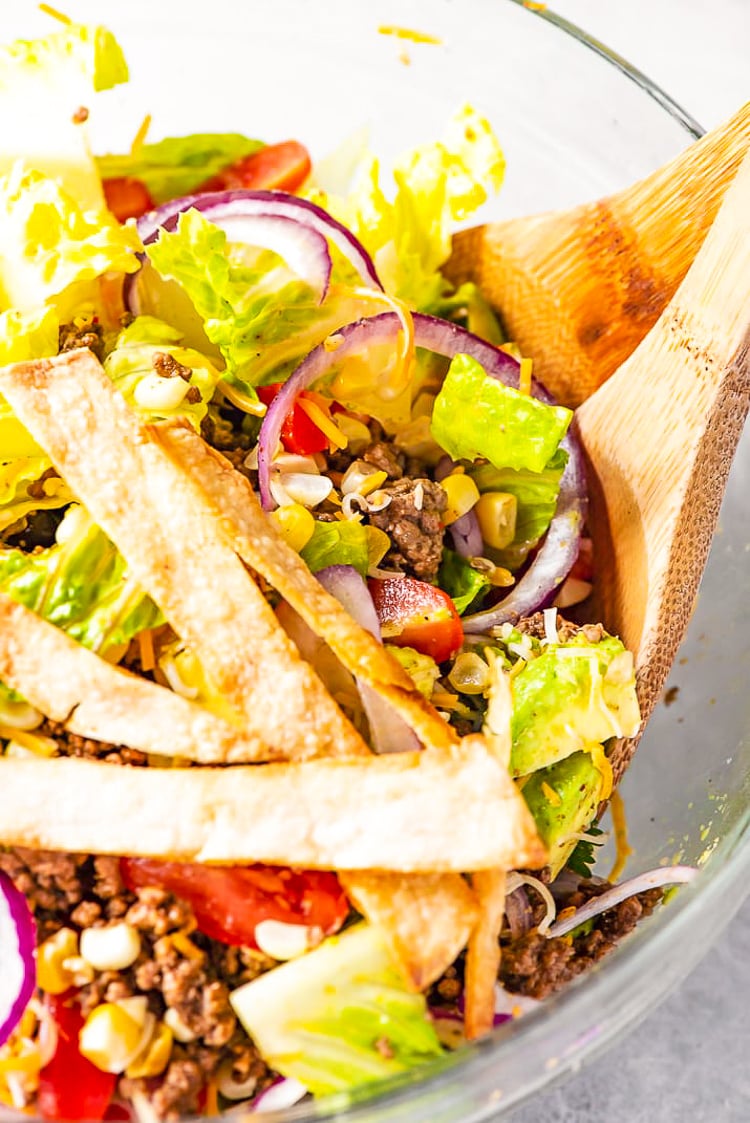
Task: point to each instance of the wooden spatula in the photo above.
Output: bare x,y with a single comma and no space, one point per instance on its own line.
579,289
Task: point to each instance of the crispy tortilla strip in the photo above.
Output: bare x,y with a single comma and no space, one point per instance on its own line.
230,498
90,697
387,812
406,912
483,953
176,552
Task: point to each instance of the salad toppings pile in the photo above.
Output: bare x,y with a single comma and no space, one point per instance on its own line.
300,761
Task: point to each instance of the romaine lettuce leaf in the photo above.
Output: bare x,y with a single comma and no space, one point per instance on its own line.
81,584
475,415
461,581
43,83
339,1016
337,543
25,487
437,185
131,367
177,165
421,669
563,800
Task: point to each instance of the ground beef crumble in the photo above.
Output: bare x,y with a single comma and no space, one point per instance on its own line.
413,522
566,630
71,744
72,336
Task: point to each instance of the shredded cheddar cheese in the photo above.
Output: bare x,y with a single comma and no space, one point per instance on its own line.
620,827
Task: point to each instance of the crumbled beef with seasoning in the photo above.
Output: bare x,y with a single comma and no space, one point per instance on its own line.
71,744
538,966
72,336
412,520
39,531
166,366
386,458
566,631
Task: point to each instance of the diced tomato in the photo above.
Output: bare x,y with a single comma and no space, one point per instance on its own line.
127,197
229,901
299,434
415,614
278,167
70,1086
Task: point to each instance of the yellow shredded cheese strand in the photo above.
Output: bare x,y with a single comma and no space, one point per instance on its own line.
408,33
601,763
146,648
550,794
524,377
140,136
320,418
50,11
620,827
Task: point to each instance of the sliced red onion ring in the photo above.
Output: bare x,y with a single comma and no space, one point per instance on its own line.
17,967
284,1092
388,731
518,912
466,535
654,879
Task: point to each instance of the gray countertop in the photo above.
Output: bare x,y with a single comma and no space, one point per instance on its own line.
688,1062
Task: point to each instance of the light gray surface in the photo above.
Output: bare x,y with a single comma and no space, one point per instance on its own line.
689,1061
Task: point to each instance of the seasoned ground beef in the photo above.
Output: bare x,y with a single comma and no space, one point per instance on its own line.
566,631
412,520
70,744
386,458
89,335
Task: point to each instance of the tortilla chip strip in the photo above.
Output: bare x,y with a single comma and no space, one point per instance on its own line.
426,918
144,503
230,498
389,812
90,697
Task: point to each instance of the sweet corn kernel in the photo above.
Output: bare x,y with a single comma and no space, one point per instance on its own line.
462,494
470,674
109,1037
111,949
496,514
155,1057
180,1031
51,975
360,478
295,523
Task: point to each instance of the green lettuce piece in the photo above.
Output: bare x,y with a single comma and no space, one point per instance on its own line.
563,800
477,416
461,581
262,318
177,165
43,82
48,243
337,543
421,669
81,584
536,497
569,697
23,336
437,185
130,366
468,307
325,1017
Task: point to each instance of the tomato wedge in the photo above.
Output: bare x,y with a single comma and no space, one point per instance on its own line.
229,901
127,197
299,434
277,167
70,1086
415,614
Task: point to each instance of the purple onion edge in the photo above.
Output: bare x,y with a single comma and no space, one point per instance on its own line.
25,928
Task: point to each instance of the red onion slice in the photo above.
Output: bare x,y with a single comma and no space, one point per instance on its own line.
283,1093
653,879
466,535
518,912
388,731
17,967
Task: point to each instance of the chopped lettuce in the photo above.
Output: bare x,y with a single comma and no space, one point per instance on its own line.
421,669
461,581
570,697
177,165
43,83
131,367
81,584
468,307
536,497
475,415
48,242
338,543
437,185
563,800
339,1016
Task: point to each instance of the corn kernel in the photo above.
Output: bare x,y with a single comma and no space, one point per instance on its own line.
496,514
295,524
462,494
361,478
111,949
155,1058
154,392
51,975
180,1030
109,1037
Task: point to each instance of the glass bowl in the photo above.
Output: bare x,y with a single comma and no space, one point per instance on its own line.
576,122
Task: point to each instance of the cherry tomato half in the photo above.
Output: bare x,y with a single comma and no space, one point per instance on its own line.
299,434
415,614
127,197
229,901
278,167
70,1086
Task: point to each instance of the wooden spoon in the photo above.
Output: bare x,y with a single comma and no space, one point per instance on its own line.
579,289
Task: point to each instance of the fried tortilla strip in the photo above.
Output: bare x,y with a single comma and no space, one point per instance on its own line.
230,498
90,697
144,502
388,812
406,912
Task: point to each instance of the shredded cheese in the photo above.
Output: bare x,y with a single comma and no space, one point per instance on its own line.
601,763
550,794
410,34
50,11
146,648
327,426
620,827
140,136
524,377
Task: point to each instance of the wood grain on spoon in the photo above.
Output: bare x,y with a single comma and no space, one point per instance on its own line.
579,289
660,436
